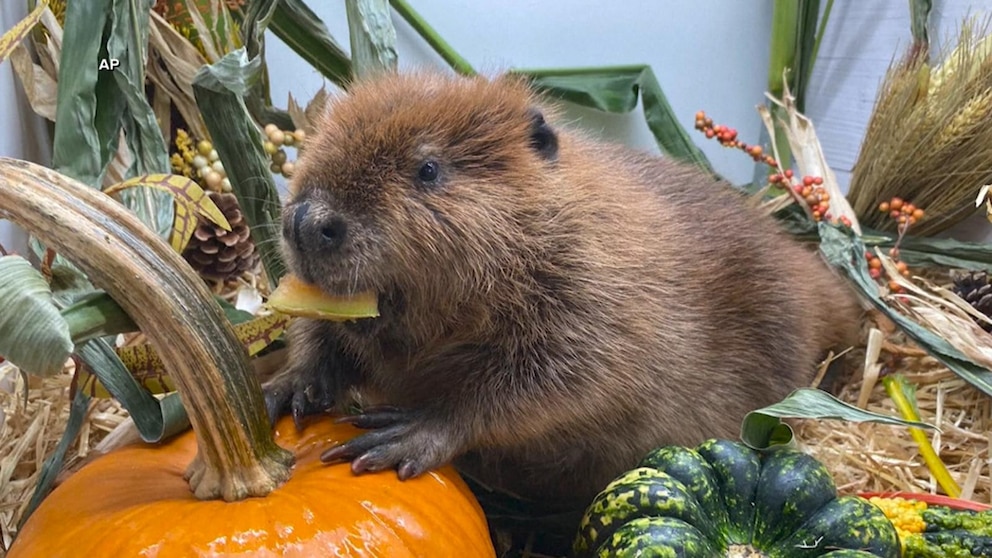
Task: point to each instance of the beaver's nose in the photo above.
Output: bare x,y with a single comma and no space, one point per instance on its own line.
333,230
312,232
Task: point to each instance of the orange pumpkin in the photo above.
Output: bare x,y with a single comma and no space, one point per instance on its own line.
134,502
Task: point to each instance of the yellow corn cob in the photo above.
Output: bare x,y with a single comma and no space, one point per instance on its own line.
905,515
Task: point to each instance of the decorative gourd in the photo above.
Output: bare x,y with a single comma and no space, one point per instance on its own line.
724,499
134,502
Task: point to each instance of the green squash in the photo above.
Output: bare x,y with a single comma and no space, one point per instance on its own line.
725,499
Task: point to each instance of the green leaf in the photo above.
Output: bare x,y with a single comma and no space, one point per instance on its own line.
302,31
234,315
68,284
914,250
95,105
790,64
33,334
52,465
259,100
762,428
257,18
806,42
793,48
845,251
154,419
128,43
943,252
234,73
373,38
96,315
784,44
88,110
432,37
919,18
616,89
820,30
219,89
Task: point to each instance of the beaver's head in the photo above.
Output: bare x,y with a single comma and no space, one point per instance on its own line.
422,188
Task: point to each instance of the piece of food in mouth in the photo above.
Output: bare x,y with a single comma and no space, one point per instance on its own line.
295,297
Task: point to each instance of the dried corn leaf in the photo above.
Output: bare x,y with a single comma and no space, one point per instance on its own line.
39,87
20,30
939,313
50,51
215,30
307,118
296,113
172,64
808,153
162,108
190,198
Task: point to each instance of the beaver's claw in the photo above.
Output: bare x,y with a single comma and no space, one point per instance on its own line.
404,440
299,393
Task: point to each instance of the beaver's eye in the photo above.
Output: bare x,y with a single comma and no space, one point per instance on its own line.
428,172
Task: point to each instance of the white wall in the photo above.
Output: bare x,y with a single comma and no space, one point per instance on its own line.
710,55
22,134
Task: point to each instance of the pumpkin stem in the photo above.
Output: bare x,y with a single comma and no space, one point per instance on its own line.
238,456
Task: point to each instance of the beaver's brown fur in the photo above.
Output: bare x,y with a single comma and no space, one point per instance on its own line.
552,307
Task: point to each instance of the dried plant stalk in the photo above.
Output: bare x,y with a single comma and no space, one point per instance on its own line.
929,139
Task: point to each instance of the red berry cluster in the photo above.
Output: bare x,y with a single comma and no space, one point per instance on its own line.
875,268
903,212
906,215
809,189
727,137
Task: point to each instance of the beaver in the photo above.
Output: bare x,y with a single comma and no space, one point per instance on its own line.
552,307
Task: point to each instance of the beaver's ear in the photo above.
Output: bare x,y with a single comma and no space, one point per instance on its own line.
543,138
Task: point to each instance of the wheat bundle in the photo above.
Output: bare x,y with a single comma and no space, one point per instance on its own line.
929,140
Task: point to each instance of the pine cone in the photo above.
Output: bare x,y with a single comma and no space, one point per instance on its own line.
218,254
974,287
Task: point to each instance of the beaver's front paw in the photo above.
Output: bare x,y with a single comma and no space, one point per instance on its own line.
300,392
405,440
